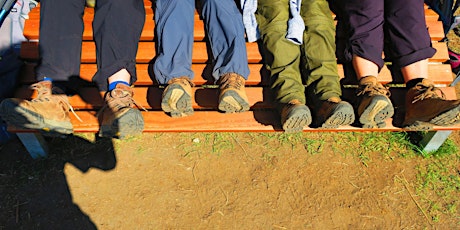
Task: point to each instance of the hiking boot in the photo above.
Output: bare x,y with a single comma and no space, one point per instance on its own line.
295,116
119,117
48,113
177,97
91,3
425,107
335,112
374,105
232,97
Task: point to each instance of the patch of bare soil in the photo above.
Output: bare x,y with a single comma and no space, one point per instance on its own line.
201,181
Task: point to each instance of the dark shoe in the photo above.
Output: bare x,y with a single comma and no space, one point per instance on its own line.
48,112
425,107
177,97
119,117
374,105
295,116
232,97
335,112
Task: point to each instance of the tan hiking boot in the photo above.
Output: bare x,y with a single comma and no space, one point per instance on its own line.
232,97
48,112
425,107
295,116
334,112
374,105
177,97
119,118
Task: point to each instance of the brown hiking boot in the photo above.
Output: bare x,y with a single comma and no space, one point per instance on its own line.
295,116
48,112
119,118
374,105
334,112
232,97
177,97
425,107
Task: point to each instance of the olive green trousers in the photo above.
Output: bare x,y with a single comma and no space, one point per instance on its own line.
312,64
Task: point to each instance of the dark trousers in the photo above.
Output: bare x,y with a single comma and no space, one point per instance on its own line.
117,26
366,27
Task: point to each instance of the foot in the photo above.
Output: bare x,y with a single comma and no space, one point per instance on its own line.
295,116
119,117
374,105
48,112
426,106
334,112
232,97
177,97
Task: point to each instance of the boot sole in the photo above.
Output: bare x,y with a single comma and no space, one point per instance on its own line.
376,113
232,102
177,102
26,119
130,124
448,118
296,120
343,115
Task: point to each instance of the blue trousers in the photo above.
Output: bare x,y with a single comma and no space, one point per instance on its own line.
174,31
117,27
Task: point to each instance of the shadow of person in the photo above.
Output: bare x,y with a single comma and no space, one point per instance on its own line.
35,193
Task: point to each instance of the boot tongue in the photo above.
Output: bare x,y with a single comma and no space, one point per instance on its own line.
424,90
368,80
427,82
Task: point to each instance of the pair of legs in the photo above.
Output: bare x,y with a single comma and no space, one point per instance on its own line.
117,26
312,63
174,31
368,27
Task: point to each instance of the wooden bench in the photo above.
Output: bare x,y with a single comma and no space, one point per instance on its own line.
261,118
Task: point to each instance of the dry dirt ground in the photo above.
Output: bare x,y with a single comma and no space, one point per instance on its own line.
221,181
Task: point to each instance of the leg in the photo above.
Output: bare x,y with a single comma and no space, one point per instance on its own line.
117,28
282,58
174,23
61,28
410,49
319,66
365,46
228,47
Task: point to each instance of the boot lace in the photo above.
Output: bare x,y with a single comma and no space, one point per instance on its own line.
118,99
181,80
45,93
427,91
232,81
373,89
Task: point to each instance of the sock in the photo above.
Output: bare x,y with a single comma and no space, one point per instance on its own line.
115,83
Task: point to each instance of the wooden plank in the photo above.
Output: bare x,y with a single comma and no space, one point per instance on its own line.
439,73
146,52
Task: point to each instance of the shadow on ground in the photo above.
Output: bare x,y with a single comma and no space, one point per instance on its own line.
34,194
